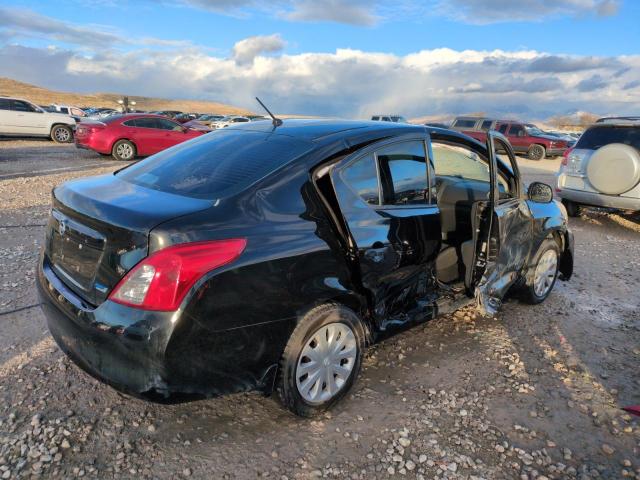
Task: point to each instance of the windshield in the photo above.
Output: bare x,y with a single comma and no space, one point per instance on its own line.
597,137
215,165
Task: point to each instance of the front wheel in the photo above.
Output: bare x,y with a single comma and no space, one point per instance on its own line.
543,272
62,134
536,152
321,360
123,150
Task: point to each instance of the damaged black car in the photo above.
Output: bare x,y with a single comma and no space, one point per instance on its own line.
267,257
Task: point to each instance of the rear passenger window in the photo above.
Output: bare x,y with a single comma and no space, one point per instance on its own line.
403,173
503,128
362,177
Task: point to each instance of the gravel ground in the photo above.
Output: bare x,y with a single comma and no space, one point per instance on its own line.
535,392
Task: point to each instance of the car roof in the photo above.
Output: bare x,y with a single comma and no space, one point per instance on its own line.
126,116
315,130
630,120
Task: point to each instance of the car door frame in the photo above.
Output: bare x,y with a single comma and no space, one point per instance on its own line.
384,301
502,234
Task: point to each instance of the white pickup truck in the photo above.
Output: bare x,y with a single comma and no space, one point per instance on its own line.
20,118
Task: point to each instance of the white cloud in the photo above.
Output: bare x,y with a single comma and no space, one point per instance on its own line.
494,11
348,83
19,22
246,50
354,12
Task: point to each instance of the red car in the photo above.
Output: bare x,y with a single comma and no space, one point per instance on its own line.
132,134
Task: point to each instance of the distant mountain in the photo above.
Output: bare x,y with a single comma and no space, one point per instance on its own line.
43,96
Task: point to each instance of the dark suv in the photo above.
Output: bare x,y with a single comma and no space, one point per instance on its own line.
268,256
524,137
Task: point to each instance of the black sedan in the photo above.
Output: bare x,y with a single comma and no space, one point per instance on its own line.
268,256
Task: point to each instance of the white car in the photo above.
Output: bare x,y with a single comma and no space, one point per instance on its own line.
21,118
228,121
67,110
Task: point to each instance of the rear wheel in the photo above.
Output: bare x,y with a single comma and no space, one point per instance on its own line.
536,152
123,150
61,134
573,209
543,272
322,359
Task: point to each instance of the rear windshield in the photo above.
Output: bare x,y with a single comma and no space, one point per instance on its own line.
597,137
217,164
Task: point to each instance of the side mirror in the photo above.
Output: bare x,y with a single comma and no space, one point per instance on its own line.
540,192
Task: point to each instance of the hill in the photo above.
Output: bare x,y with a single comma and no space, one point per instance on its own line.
43,96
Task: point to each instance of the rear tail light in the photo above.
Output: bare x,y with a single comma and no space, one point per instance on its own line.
565,156
162,280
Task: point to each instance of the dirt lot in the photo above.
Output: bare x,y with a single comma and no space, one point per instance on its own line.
534,393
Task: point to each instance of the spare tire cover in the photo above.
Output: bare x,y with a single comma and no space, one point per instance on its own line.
614,168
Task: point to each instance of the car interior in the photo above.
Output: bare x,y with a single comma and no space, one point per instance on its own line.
461,184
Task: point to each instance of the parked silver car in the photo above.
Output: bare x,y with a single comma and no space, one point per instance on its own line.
603,169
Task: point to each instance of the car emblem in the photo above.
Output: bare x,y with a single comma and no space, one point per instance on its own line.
62,227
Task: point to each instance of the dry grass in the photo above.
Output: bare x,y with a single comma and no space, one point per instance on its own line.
43,96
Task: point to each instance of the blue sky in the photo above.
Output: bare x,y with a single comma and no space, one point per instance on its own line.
554,56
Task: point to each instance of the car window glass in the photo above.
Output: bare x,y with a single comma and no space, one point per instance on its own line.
597,137
362,177
164,124
64,110
515,129
462,162
146,122
465,123
503,128
130,123
19,106
403,173
486,125
4,104
215,165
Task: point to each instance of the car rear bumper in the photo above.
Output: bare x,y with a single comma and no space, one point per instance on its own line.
122,353
88,143
555,152
158,356
599,199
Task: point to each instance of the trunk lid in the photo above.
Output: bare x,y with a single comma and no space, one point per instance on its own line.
99,229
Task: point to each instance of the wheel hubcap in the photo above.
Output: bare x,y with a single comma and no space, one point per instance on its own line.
124,151
326,362
61,134
545,273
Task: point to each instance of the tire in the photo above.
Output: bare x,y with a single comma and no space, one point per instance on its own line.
297,390
573,209
614,169
61,134
542,274
123,150
536,152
